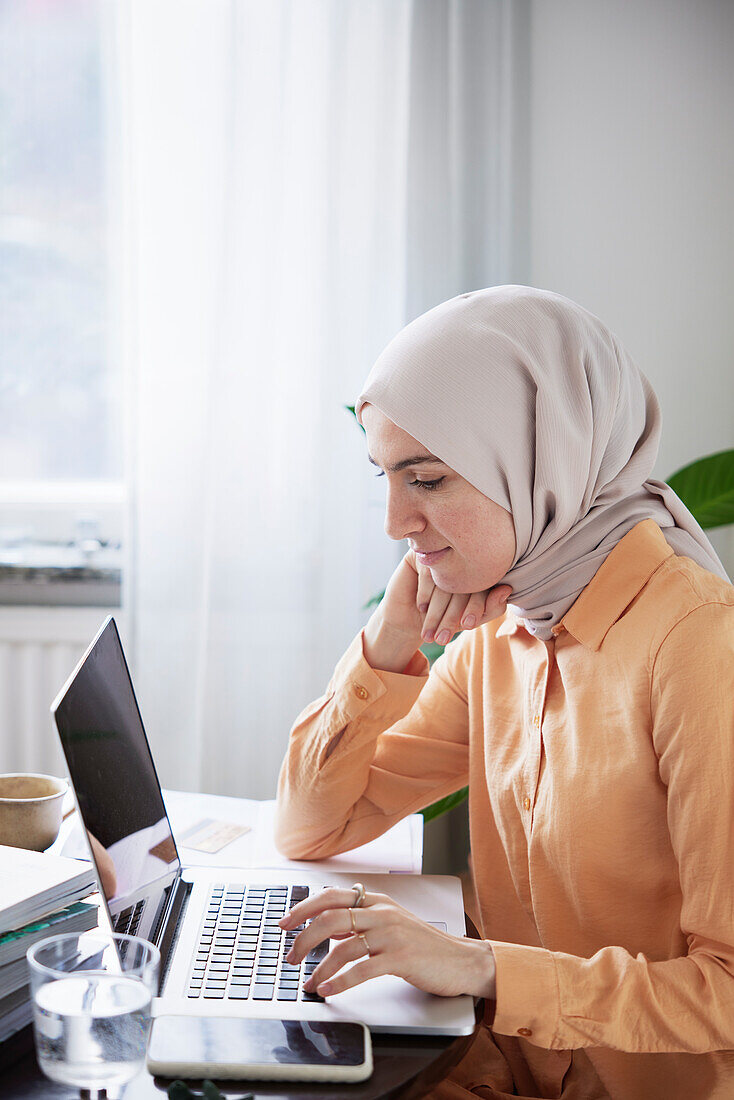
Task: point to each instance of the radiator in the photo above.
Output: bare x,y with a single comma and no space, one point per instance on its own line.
39,648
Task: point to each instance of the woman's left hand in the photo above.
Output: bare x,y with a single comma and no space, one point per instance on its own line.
397,941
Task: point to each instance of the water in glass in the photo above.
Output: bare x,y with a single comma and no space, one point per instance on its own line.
92,1031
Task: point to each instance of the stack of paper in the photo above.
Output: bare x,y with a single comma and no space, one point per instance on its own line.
39,897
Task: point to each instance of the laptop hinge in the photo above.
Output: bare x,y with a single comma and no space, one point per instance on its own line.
172,922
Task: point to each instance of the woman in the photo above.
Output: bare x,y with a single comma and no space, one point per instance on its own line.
587,703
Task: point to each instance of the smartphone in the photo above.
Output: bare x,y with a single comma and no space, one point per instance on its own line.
285,1050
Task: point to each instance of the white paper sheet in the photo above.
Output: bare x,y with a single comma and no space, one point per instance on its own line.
400,849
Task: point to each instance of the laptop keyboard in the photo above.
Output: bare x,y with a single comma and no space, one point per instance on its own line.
129,919
241,950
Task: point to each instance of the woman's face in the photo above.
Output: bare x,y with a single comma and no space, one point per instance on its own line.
464,538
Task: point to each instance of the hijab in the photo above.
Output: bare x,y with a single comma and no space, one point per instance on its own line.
535,402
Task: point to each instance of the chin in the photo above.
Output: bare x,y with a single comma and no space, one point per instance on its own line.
448,583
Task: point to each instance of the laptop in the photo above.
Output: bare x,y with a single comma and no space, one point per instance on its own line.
222,949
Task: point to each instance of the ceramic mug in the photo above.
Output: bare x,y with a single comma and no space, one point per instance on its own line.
30,809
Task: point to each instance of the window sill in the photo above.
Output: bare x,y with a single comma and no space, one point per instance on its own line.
52,575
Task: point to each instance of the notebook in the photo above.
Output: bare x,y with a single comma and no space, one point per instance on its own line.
223,952
33,884
78,917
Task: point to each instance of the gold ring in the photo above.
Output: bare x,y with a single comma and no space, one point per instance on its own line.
359,890
354,924
363,938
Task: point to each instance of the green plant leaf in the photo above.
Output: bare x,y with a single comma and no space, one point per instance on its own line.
179,1090
353,410
432,650
706,487
445,804
374,600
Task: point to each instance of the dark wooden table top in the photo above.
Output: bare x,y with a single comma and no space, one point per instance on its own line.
405,1066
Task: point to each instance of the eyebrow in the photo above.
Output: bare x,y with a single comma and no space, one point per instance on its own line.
417,460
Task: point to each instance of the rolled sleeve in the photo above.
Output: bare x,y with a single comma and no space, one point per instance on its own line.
356,688
376,747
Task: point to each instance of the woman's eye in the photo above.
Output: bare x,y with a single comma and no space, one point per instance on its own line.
428,485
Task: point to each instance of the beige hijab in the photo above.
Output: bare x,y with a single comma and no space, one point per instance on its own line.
535,402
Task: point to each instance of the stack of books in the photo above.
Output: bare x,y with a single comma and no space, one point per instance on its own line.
40,895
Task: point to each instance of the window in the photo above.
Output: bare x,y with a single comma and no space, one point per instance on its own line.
61,444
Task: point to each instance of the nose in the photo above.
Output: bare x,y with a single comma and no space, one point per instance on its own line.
402,518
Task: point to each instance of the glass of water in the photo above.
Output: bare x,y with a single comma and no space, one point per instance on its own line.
91,1007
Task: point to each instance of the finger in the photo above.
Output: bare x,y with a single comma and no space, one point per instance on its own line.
426,589
437,605
335,922
496,602
334,898
410,559
451,618
361,972
345,952
474,611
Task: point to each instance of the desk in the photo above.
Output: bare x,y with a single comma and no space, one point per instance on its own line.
405,1066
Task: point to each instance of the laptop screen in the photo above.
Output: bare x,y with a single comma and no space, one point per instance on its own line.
112,769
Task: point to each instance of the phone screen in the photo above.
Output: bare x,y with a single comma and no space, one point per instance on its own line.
225,1040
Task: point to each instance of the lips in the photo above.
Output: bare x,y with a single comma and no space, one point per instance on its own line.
429,557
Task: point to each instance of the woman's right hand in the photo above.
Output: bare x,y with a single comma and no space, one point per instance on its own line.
413,611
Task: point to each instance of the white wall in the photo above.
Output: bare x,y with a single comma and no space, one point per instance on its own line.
631,159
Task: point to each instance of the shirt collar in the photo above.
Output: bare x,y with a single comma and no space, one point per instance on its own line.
617,581
620,577
508,626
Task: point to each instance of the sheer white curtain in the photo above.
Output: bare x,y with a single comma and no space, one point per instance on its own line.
305,178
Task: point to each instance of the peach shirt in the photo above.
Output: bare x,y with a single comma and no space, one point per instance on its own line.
601,773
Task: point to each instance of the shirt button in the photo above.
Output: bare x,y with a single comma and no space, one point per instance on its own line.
526,802
536,721
361,692
526,1031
